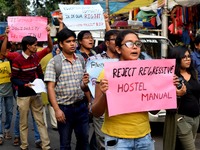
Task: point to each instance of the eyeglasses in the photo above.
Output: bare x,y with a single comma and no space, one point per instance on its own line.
185,57
130,44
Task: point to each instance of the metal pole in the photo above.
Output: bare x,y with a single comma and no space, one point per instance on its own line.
164,28
107,7
165,19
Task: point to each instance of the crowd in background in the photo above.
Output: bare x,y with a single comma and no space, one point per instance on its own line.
70,102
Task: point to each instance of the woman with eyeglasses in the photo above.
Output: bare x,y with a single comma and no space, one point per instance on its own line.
126,131
181,125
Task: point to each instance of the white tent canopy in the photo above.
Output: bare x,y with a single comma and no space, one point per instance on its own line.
154,6
187,3
171,4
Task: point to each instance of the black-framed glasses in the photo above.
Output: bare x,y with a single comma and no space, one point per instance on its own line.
130,44
185,57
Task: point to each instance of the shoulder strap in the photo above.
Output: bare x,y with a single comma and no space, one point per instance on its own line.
82,60
57,65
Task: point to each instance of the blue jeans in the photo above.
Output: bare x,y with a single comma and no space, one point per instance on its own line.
144,143
16,127
8,103
76,119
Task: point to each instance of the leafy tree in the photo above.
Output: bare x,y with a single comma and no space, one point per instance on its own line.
45,7
13,8
3,9
21,7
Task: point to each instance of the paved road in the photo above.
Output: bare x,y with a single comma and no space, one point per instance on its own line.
156,133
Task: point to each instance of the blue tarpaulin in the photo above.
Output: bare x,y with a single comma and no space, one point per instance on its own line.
113,5
3,26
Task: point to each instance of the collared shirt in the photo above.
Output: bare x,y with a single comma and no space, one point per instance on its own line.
12,55
68,90
86,56
26,69
25,55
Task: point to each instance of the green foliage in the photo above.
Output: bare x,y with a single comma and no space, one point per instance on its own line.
45,7
13,8
3,10
20,7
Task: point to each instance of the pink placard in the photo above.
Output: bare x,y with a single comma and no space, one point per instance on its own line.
21,26
140,85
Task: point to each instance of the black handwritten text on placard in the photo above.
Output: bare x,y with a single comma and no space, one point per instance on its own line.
128,72
21,26
92,16
34,28
140,86
21,36
129,87
155,96
123,72
22,20
155,70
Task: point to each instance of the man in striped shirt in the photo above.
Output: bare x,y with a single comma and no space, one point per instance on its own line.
25,69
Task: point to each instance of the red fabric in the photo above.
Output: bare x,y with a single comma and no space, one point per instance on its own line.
120,24
153,21
24,71
179,21
12,55
171,28
190,14
135,13
87,2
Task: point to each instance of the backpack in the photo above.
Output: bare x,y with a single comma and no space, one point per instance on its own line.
58,64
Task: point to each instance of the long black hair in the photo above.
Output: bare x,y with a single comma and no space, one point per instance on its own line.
178,53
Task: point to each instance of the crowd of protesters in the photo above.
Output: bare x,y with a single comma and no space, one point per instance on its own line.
62,67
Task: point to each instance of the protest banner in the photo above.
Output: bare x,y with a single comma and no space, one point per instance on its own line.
140,85
83,17
5,72
94,67
21,26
